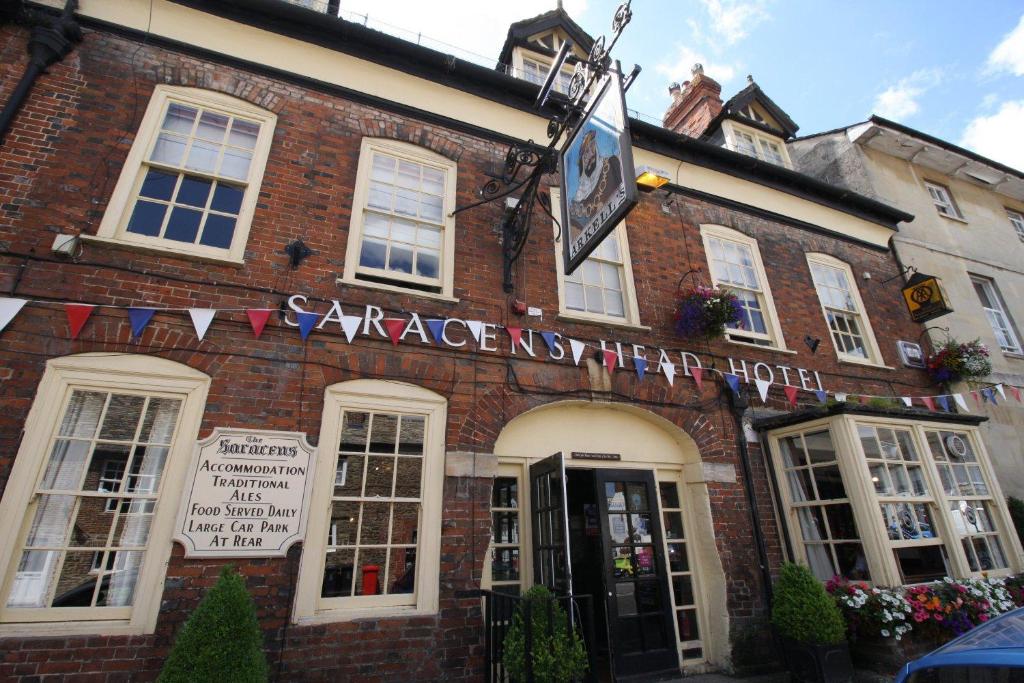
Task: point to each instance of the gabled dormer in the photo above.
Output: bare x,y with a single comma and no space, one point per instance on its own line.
532,44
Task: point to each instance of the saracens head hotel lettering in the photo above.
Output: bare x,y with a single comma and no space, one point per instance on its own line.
540,345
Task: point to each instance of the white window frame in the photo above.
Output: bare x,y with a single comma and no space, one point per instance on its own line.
733,130
374,396
631,309
400,282
942,198
518,471
109,372
1016,219
856,473
774,338
113,227
997,316
861,315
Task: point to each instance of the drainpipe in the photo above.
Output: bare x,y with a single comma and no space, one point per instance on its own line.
47,45
737,404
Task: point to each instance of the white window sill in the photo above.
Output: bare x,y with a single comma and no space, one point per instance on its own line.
773,349
160,250
958,219
1015,355
573,317
864,363
353,282
70,628
334,616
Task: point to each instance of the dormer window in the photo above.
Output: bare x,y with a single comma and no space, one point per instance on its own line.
754,143
535,71
751,113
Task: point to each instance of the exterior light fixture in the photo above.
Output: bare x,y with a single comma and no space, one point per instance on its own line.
649,178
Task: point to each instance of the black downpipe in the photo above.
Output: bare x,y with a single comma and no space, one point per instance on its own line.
48,43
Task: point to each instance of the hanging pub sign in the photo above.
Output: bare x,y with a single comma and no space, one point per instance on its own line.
247,494
925,298
598,187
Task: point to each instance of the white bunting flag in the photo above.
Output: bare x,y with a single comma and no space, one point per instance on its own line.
960,402
475,328
907,401
841,397
999,388
350,326
670,372
577,350
201,319
762,388
8,309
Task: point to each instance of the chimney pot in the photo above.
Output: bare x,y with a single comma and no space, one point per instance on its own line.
698,69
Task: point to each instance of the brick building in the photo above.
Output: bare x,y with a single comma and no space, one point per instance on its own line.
189,146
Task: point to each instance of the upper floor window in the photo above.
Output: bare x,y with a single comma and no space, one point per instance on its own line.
943,200
735,263
192,177
402,234
995,310
1017,221
843,308
536,71
749,141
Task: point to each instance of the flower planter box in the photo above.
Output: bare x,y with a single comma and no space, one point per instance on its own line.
887,655
818,663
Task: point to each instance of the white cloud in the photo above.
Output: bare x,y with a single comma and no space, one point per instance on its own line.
732,20
678,69
998,136
1009,54
900,101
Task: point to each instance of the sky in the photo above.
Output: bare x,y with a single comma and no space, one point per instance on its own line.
949,69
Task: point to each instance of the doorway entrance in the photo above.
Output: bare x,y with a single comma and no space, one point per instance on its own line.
598,532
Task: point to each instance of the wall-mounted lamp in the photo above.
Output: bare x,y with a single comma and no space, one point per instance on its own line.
649,178
812,342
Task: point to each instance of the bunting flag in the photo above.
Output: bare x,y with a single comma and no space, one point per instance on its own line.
139,318
960,402
350,326
762,388
549,339
929,403
610,358
258,319
577,350
8,309
641,366
395,328
907,401
201,319
822,396
475,328
988,395
436,328
733,381
306,322
841,397
77,315
698,377
516,334
977,398
790,394
669,370
999,388
1016,393
944,402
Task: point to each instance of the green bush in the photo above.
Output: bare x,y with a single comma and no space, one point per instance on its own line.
221,641
1016,506
803,611
557,657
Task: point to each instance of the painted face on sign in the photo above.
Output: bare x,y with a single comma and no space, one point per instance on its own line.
588,154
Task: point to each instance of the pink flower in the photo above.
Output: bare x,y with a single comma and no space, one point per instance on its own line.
920,616
982,617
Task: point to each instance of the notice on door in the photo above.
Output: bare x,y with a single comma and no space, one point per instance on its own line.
247,494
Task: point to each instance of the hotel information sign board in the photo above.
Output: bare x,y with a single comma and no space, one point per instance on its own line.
924,298
247,494
598,181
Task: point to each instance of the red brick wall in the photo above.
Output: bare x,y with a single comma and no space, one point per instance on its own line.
57,170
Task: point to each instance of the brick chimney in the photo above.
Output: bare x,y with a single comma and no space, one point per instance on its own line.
694,105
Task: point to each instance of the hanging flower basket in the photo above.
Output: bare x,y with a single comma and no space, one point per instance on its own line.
705,312
954,361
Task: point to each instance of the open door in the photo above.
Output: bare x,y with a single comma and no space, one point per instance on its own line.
639,607
551,566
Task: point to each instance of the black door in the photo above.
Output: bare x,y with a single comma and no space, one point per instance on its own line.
550,525
636,587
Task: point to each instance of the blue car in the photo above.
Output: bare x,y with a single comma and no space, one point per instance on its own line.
990,653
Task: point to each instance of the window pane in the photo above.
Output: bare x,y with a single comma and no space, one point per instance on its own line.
158,185
227,198
183,225
244,134
372,254
169,149
212,126
194,191
203,157
147,218
235,164
179,118
218,231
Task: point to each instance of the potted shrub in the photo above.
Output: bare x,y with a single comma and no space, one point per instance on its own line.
811,628
558,655
954,361
704,312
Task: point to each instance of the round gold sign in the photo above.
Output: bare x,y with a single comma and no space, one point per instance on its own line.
921,294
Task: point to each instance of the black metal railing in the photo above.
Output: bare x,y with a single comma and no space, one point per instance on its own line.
499,610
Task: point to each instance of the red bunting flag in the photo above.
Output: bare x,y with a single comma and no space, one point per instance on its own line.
77,315
1016,393
396,326
977,397
790,394
698,377
516,333
258,319
609,360
929,402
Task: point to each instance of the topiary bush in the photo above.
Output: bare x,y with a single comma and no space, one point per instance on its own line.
803,611
558,655
221,641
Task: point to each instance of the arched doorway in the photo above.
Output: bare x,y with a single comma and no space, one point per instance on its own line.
637,518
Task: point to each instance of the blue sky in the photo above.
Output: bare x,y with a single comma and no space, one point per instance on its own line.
949,69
